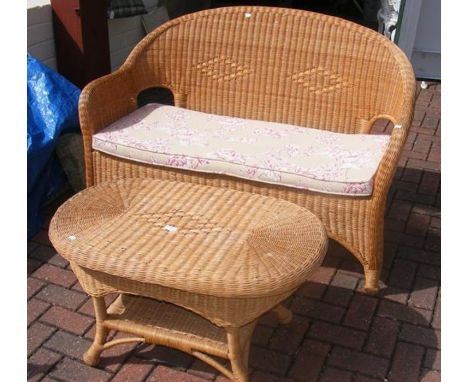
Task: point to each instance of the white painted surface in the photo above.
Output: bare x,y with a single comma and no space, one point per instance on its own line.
426,56
124,33
154,19
40,33
420,37
37,3
428,33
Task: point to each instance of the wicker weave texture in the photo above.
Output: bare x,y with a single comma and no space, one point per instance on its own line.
278,65
174,324
226,244
221,311
225,255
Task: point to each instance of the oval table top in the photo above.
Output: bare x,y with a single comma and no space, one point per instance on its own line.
195,238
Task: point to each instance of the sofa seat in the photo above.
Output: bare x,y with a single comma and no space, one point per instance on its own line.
275,153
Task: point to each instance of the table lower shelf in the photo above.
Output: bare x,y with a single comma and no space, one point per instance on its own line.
161,323
166,324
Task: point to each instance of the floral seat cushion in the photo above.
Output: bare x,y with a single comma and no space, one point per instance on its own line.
267,152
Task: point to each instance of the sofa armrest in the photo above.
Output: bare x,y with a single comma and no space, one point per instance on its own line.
400,110
387,168
105,100
102,102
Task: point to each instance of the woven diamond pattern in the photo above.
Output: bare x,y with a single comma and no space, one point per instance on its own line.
223,68
319,80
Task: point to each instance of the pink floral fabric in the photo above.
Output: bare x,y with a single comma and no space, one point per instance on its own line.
267,152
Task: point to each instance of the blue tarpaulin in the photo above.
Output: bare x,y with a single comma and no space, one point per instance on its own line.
52,110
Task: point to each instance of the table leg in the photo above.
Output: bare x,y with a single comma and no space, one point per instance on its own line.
91,356
239,349
284,314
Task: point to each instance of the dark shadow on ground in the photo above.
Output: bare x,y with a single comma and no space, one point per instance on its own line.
324,328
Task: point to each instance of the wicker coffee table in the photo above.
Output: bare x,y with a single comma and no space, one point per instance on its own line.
195,266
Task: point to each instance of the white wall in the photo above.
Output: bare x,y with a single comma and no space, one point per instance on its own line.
426,56
124,33
40,34
420,36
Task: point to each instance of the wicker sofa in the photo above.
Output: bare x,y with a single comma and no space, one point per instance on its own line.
270,64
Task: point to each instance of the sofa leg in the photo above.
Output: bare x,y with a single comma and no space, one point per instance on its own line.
372,277
374,253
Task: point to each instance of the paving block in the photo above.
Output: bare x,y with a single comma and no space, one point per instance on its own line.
383,337
262,335
34,286
40,363
37,334
407,363
287,338
35,309
55,275
309,361
337,334
419,335
67,320
60,296
360,312
424,294
165,374
134,370
68,344
353,360
432,359
73,371
268,360
331,374
317,309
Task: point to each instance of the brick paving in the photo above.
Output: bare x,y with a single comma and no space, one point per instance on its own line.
338,334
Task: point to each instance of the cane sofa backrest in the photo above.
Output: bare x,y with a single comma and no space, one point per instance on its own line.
277,65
